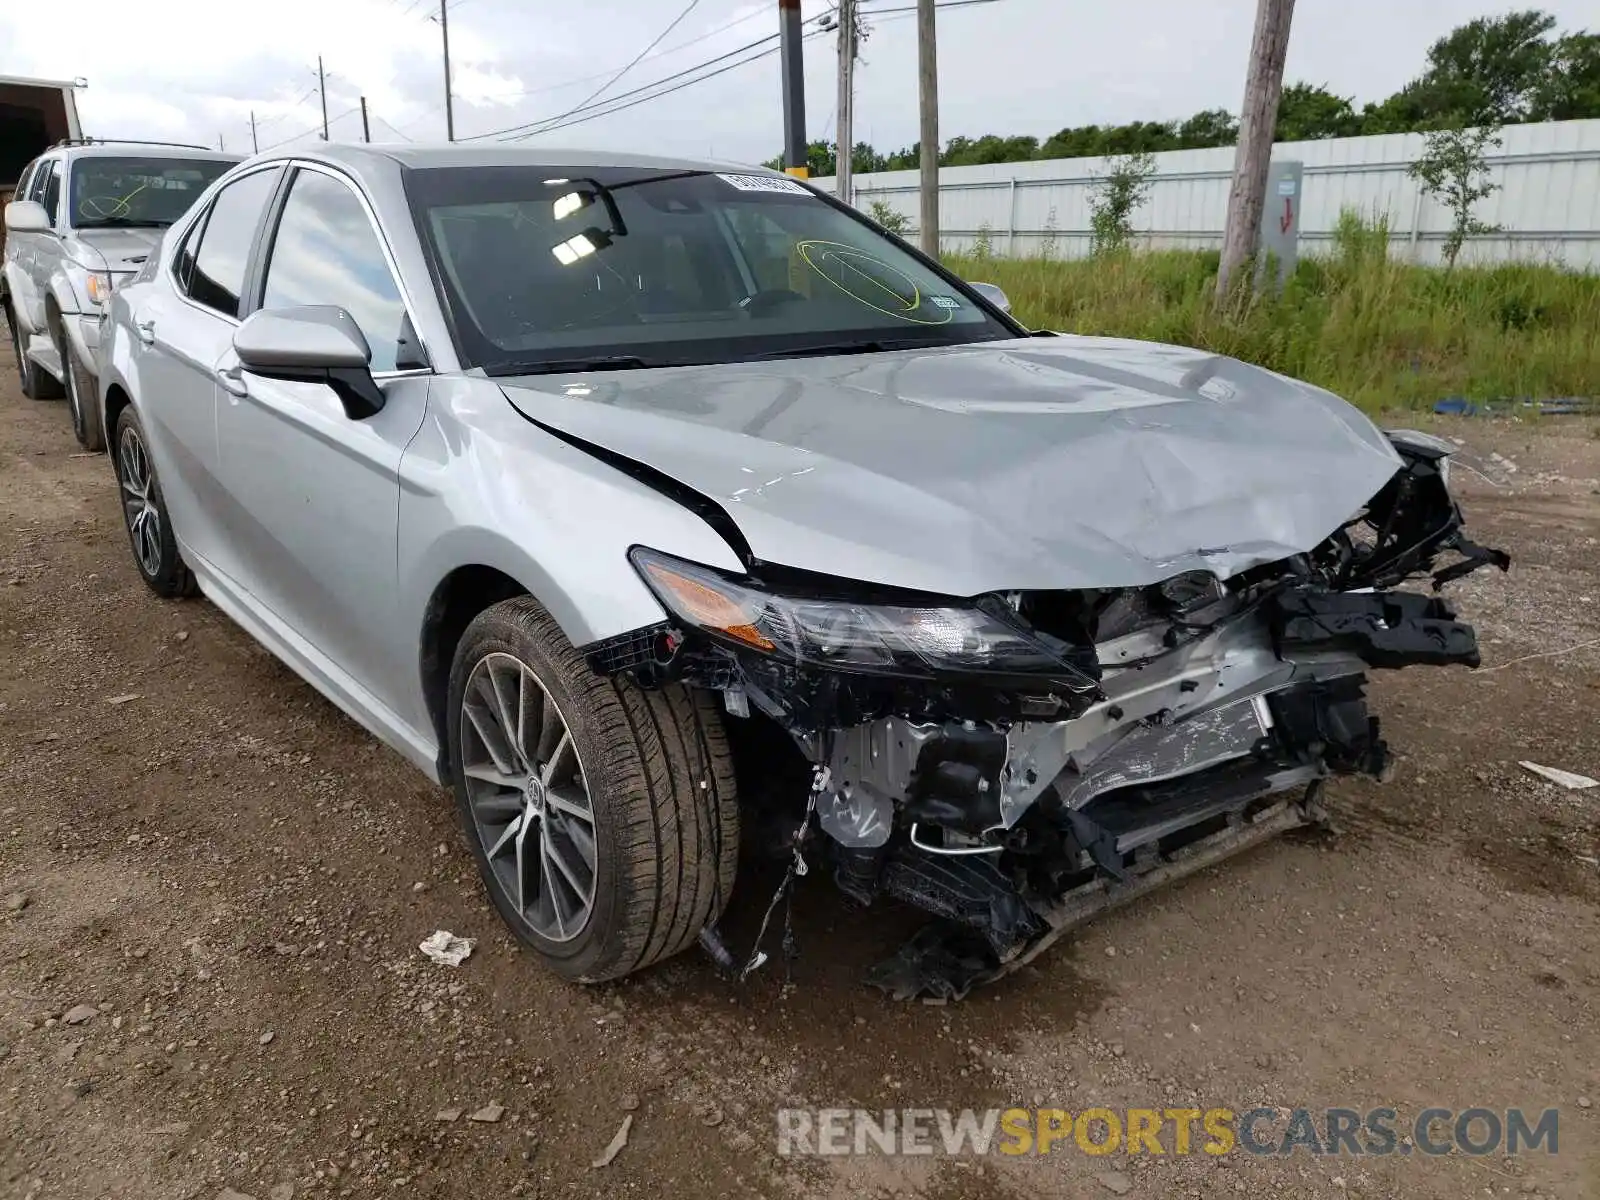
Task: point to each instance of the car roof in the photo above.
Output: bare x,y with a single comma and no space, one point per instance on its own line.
147,150
357,155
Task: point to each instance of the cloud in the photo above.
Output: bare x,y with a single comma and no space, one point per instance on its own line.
196,70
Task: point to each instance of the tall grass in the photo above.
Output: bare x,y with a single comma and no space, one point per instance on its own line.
1384,334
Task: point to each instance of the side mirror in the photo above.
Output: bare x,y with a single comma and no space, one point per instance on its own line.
992,293
314,343
27,216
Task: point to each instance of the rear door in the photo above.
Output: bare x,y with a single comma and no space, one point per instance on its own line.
184,327
318,492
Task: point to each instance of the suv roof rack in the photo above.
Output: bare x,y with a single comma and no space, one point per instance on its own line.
94,141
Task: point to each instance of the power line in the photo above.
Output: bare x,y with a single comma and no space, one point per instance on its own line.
315,129
534,125
647,92
676,21
616,108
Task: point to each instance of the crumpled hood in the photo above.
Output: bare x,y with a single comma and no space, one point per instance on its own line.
1026,464
116,250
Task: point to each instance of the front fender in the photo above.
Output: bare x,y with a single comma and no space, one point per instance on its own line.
64,296
480,485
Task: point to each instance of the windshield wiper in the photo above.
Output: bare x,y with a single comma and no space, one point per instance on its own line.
875,346
123,223
559,366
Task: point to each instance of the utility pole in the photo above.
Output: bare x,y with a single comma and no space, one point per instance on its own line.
844,123
255,147
366,132
794,89
1257,118
322,86
220,145
928,90
449,105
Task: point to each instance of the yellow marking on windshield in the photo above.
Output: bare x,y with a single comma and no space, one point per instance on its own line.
118,206
843,253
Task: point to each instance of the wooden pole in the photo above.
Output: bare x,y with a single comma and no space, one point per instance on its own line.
1257,119
844,123
928,101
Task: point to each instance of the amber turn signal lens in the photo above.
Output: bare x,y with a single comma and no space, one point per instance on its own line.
708,607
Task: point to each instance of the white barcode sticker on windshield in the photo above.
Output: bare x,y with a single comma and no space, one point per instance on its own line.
763,183
944,302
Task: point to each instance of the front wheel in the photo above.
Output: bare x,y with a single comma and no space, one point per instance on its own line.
603,817
37,383
144,511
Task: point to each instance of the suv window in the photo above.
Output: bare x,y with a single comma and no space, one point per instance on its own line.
327,252
21,192
137,191
222,256
36,186
51,196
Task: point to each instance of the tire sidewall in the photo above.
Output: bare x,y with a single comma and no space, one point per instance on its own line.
70,382
499,631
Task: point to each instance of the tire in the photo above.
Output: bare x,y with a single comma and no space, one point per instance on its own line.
653,768
82,394
37,383
144,512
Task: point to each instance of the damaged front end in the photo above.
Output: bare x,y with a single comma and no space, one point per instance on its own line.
1017,763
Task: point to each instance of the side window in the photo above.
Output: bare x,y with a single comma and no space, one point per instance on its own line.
51,196
327,252
36,185
222,255
21,192
183,261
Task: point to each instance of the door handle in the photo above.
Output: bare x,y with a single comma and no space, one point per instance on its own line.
146,331
233,381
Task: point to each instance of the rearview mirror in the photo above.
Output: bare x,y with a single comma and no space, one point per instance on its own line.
992,293
27,216
314,343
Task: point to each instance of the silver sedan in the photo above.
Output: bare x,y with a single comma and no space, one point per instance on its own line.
639,501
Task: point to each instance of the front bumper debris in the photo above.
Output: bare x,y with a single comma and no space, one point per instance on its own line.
1012,812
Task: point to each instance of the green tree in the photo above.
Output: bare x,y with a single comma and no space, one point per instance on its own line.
1570,88
1212,127
1306,112
1485,72
1113,199
1454,171
893,220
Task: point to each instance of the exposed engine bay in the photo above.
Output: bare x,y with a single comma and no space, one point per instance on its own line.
1016,763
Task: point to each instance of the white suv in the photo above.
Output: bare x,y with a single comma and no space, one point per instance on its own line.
85,217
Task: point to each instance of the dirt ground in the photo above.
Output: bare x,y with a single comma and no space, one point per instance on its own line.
236,878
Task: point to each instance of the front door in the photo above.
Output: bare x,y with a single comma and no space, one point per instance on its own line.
316,495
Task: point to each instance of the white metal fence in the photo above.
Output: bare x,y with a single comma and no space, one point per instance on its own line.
1547,205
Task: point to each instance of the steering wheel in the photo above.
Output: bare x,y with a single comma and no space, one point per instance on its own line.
769,299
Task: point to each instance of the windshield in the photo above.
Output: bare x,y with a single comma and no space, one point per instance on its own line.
626,270
127,192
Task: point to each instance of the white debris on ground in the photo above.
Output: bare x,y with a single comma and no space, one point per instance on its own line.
1570,780
447,949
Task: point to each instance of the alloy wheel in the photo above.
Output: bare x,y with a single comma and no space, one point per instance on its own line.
138,506
529,796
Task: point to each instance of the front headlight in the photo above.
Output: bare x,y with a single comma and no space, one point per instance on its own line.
844,635
98,287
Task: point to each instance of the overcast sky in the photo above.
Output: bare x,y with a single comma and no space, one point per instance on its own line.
192,70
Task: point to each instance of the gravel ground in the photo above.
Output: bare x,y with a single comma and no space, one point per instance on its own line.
234,878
